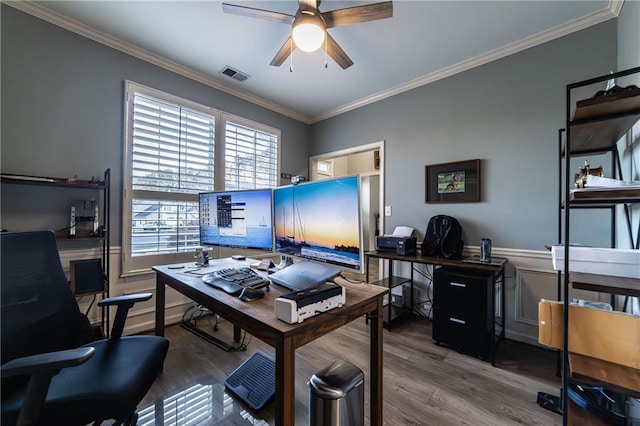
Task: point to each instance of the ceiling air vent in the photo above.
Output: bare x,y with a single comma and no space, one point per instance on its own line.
234,73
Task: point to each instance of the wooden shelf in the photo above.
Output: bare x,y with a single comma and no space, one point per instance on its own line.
392,282
605,196
607,107
605,283
62,238
51,181
598,123
597,372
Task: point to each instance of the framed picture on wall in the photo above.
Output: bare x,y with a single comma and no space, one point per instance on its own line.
456,182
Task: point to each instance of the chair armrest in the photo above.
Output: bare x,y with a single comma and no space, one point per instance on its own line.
124,303
129,299
40,369
51,361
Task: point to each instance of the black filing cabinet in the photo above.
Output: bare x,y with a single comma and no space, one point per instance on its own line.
462,309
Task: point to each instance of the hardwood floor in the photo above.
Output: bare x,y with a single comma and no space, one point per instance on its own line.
424,384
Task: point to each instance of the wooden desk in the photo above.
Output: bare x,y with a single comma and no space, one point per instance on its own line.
258,319
497,275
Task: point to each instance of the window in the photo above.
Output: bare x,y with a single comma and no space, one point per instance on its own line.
250,157
174,150
325,168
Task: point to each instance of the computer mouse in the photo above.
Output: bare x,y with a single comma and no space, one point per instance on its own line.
249,294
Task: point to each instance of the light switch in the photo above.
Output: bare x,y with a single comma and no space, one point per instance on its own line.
387,210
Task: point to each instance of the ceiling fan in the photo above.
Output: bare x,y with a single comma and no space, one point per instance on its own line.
309,26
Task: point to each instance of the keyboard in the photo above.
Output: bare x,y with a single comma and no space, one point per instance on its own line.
254,381
233,280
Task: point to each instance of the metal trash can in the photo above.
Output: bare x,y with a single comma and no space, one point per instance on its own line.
336,396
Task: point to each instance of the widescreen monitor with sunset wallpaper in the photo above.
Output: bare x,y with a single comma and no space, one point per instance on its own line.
320,221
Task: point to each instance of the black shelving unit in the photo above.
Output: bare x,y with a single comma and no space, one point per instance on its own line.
595,126
100,237
392,312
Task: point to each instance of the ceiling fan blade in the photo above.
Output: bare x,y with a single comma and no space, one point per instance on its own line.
353,15
257,13
283,53
336,53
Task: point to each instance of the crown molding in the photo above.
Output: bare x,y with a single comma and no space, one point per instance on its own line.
72,25
559,31
48,15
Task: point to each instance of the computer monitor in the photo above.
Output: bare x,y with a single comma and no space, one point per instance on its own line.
242,219
320,221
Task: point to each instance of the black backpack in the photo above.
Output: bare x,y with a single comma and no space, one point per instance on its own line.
443,238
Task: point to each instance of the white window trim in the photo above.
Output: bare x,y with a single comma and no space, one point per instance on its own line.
142,264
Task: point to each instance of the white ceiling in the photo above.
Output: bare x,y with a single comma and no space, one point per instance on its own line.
423,42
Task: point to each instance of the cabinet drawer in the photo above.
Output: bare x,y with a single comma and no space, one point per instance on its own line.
461,331
462,290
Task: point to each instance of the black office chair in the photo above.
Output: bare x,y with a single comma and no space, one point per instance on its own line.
52,371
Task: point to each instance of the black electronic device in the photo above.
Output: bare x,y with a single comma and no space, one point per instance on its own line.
86,276
249,294
400,245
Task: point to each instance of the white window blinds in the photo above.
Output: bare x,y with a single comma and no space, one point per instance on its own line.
175,149
250,157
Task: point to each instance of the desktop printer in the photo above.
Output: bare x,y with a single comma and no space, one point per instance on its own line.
401,242
297,306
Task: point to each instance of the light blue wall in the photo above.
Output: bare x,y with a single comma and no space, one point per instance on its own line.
629,35
507,113
62,115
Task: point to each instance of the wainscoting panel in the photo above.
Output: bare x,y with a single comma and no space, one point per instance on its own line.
529,277
532,285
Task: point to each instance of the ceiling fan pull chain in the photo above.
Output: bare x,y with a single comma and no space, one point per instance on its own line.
325,50
291,56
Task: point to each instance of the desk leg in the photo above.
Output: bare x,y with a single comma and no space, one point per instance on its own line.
493,345
160,304
503,311
236,333
497,278
375,404
366,269
389,295
285,382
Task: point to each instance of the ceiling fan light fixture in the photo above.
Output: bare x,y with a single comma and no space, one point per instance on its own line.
308,31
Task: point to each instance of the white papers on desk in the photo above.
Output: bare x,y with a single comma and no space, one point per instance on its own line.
401,231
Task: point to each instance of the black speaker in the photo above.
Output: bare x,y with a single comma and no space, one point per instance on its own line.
86,276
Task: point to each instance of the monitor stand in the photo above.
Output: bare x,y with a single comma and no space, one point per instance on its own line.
284,262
